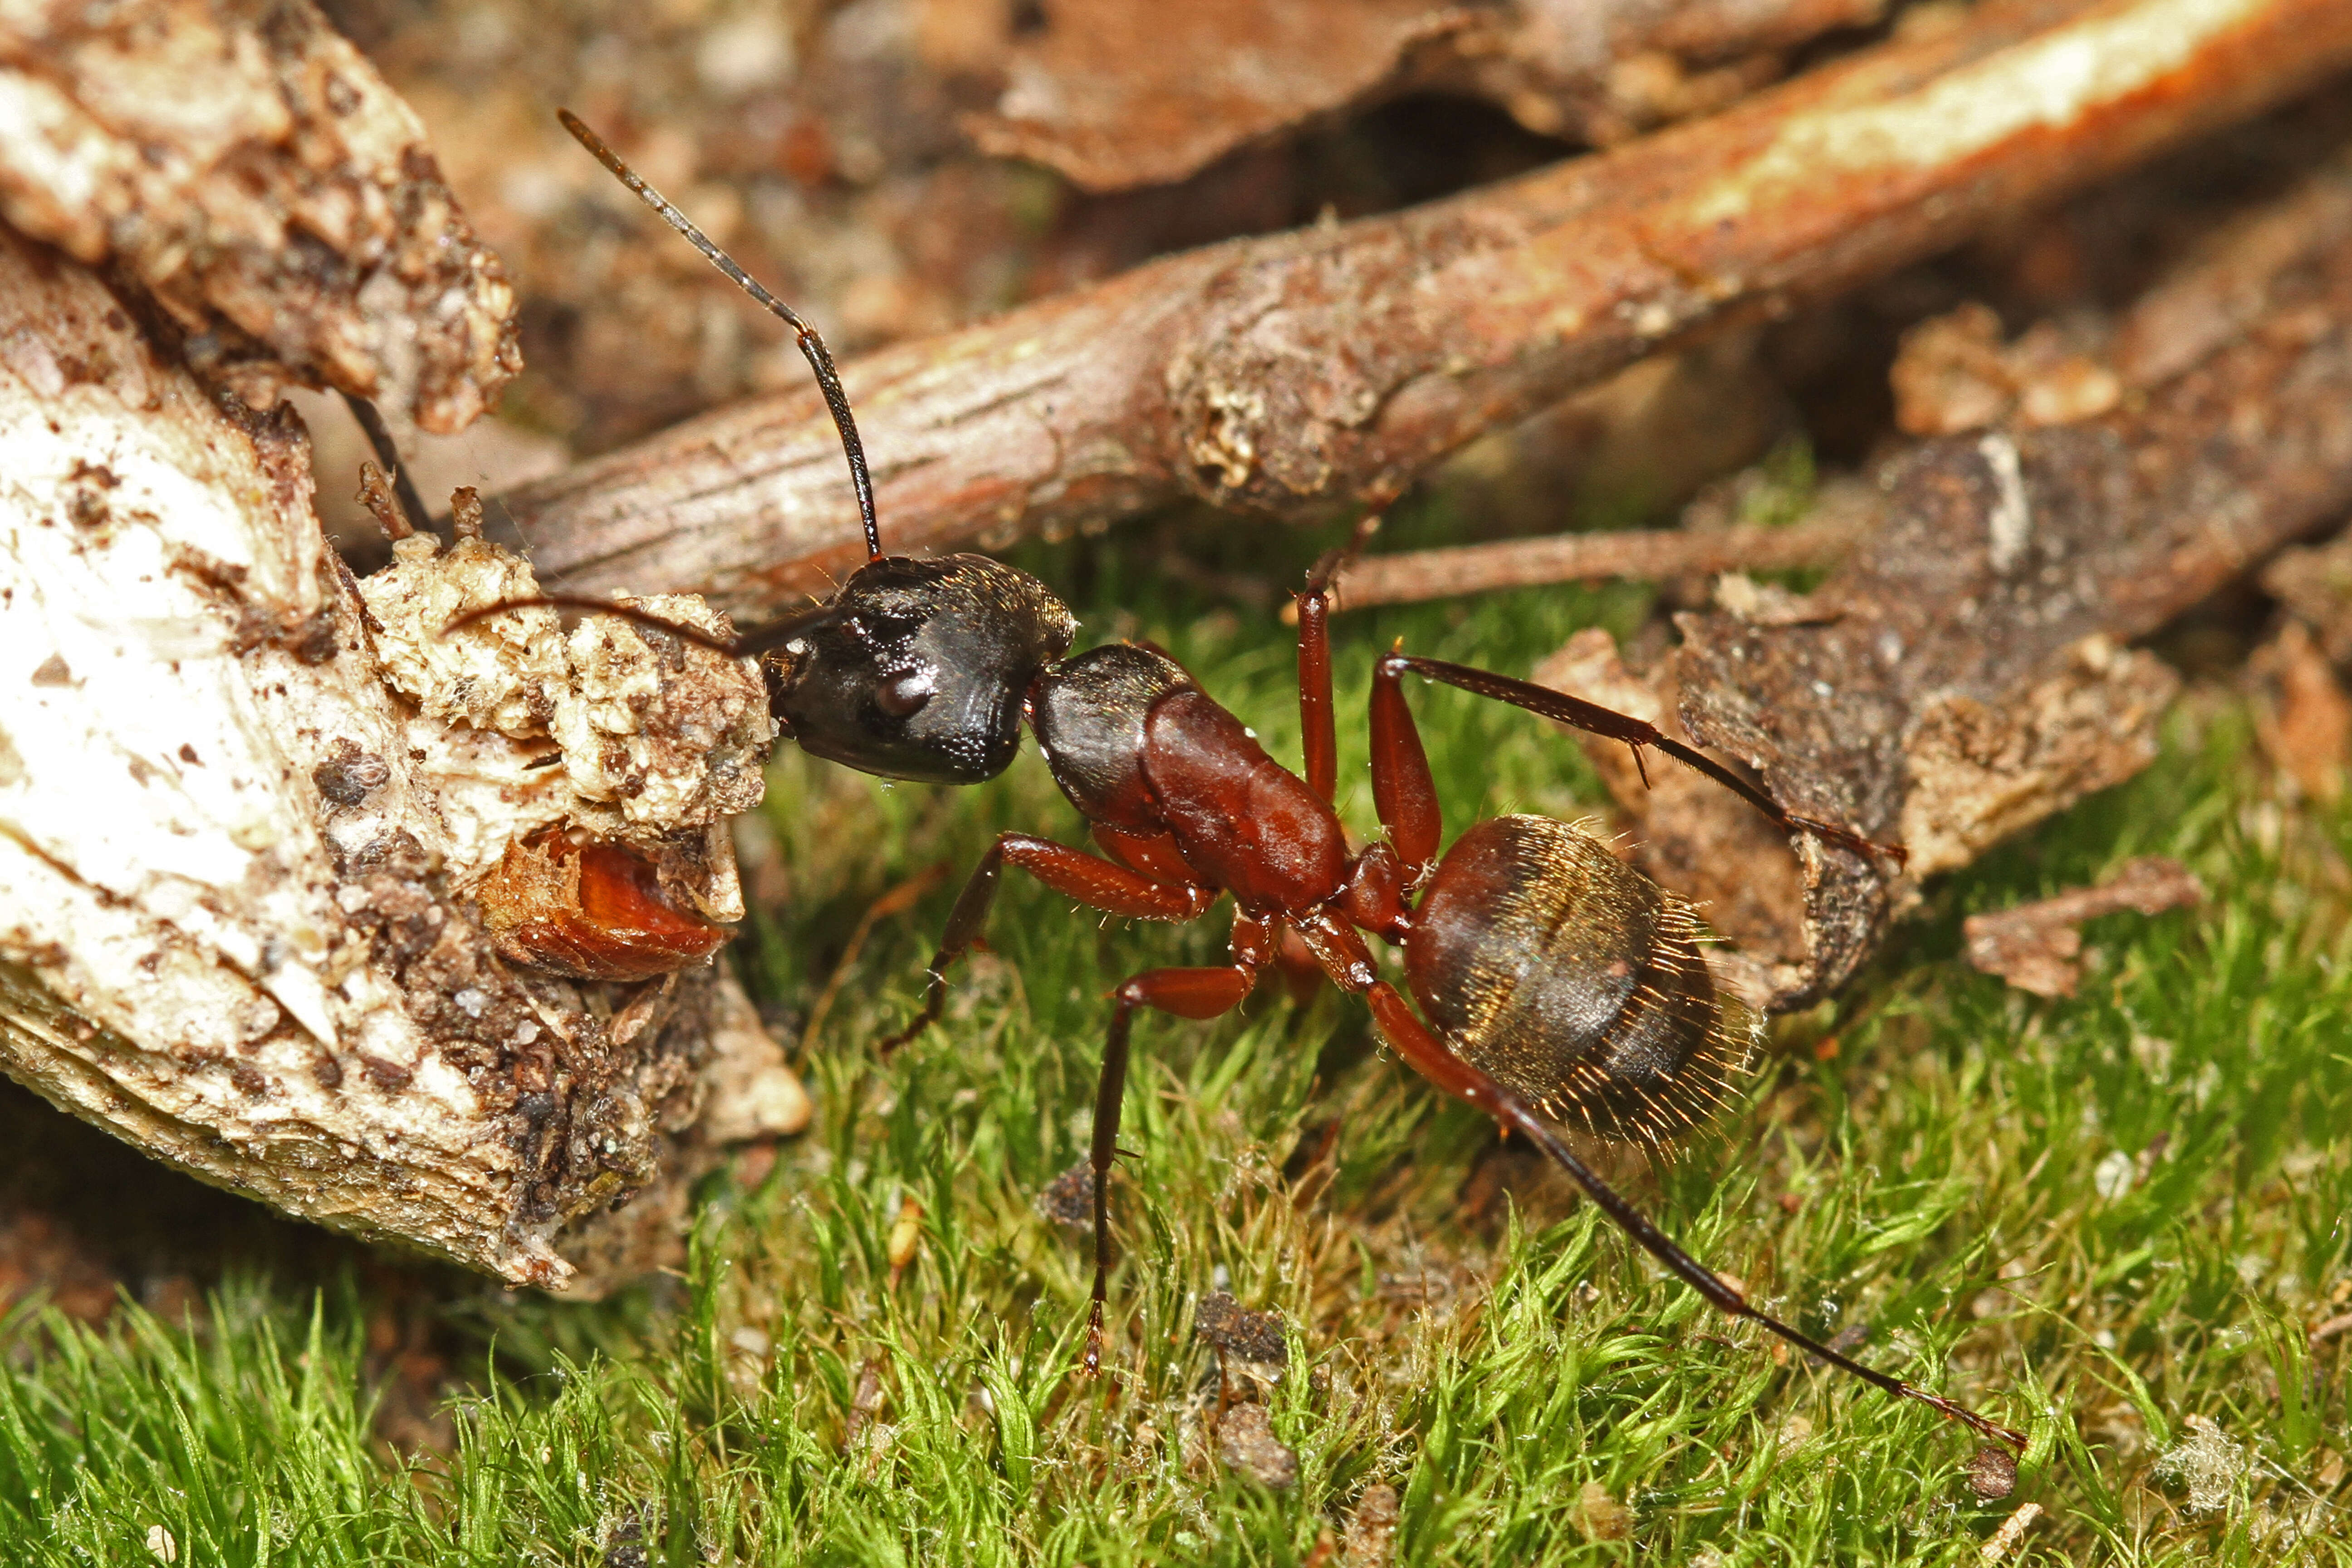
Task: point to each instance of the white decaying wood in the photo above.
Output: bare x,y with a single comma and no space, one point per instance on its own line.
248,169
241,814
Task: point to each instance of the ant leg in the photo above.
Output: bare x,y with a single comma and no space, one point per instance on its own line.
1321,744
1594,720
1089,878
1186,993
1428,1056
1404,793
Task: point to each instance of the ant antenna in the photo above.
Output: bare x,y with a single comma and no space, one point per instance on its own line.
812,347
753,644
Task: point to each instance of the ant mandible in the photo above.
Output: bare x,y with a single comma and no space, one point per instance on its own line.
1554,979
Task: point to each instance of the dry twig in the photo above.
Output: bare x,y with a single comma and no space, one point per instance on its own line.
1649,555
2036,947
1289,374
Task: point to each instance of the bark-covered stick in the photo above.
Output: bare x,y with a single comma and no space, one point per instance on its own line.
1295,372
1411,577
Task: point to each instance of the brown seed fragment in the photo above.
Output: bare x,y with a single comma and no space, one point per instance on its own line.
1992,1473
1247,1440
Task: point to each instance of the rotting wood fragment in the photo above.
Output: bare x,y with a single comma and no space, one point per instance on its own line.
246,830
2037,947
1292,373
1967,673
245,169
1121,93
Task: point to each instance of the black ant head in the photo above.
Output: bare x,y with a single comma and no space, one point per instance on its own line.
918,668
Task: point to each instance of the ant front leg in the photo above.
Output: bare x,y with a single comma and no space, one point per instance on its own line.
1594,720
1320,743
1092,880
1185,993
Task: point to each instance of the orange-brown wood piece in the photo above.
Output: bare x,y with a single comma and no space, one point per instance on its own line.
594,912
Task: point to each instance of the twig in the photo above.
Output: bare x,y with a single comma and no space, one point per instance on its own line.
2006,1539
417,515
1649,555
1295,372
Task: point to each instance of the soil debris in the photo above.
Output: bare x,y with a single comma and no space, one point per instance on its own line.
1369,1540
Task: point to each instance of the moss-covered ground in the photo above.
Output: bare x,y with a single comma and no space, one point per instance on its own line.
2113,1220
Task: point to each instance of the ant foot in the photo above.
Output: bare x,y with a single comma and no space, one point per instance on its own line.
1090,1365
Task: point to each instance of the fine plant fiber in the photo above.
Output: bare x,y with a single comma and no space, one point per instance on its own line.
2112,1220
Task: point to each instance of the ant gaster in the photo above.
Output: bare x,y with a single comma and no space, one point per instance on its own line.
1555,980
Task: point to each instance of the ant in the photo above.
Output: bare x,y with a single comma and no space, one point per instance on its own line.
1554,979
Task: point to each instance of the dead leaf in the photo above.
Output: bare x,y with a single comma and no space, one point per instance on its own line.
2304,718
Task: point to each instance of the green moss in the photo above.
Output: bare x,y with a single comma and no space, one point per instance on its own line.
2156,1171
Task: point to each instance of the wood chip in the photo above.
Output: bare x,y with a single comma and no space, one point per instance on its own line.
2035,947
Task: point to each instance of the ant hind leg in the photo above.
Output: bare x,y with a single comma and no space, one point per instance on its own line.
1595,719
1428,1055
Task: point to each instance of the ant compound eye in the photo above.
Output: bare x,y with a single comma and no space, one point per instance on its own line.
903,695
